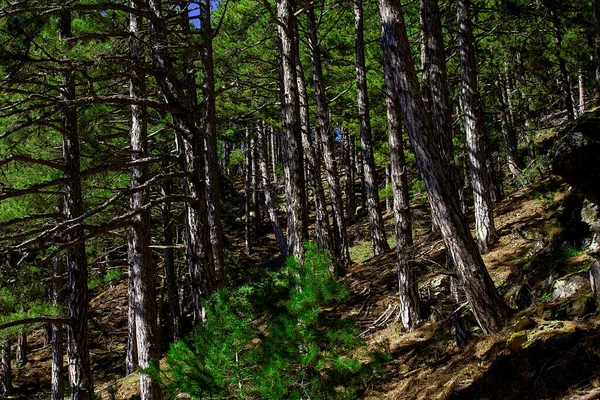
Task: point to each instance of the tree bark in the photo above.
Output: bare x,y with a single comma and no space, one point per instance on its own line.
564,74
146,328
380,244
509,131
326,134
487,305
131,358
407,282
268,191
213,190
292,142
596,17
57,385
6,385
313,167
169,261
250,198
80,374
349,169
190,145
474,128
21,352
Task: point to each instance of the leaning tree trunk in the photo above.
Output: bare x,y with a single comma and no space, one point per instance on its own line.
326,137
488,307
313,169
270,200
380,244
142,279
407,282
80,373
292,142
475,131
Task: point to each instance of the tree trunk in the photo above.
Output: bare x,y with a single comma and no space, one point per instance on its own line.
250,220
292,141
213,191
80,374
274,151
474,128
596,17
268,191
6,385
407,282
349,169
564,75
581,108
131,358
190,144
380,244
487,305
144,287
21,353
509,131
169,260
326,134
313,167
57,386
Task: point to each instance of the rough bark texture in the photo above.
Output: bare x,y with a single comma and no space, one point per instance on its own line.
313,167
249,189
131,359
57,384
268,190
213,191
509,132
434,76
6,385
292,141
326,137
169,261
80,374
407,283
347,142
146,328
487,305
371,190
21,352
190,145
474,129
596,16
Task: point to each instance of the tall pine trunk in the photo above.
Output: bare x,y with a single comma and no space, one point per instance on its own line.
80,373
487,305
6,385
313,167
270,199
146,328
292,142
407,282
326,135
211,180
57,381
475,131
371,190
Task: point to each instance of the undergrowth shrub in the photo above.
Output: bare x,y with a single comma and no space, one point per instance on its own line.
271,340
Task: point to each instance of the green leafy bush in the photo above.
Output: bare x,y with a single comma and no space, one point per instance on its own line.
270,340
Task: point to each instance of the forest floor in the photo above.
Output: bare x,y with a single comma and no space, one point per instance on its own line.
550,349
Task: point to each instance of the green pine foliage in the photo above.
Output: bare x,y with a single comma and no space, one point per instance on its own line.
271,340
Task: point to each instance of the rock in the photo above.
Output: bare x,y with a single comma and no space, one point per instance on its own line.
590,216
577,156
524,323
581,307
516,341
566,287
